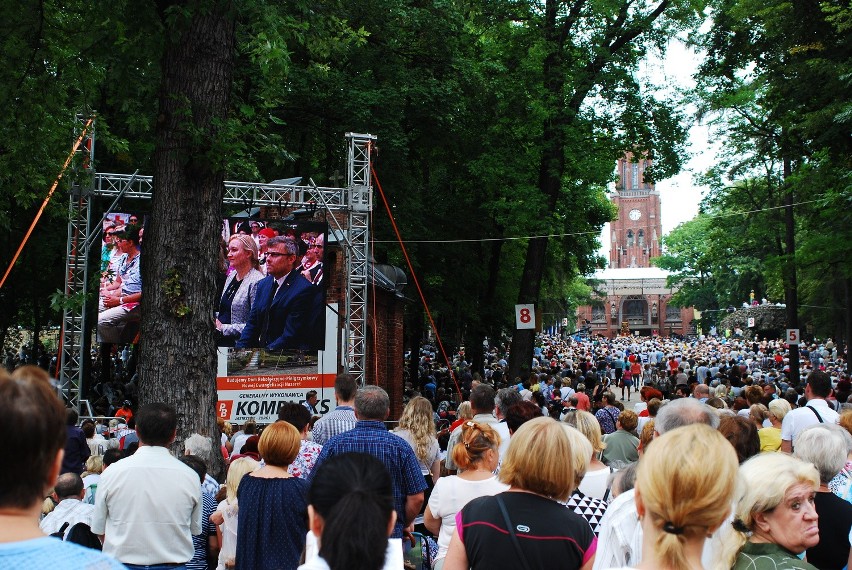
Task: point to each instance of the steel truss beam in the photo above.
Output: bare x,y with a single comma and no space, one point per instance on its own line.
356,199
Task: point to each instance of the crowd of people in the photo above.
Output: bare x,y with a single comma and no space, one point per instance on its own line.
724,462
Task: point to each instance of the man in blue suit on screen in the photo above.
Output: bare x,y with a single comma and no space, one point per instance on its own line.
287,308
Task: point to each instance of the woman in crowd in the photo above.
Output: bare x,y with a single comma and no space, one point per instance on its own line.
774,523
476,455
273,505
827,446
753,395
351,513
607,416
589,508
91,477
417,427
635,370
239,291
683,493
594,483
463,413
759,415
538,467
841,485
770,437
309,451
742,433
225,517
263,237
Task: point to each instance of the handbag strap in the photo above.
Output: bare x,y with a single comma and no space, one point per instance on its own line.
511,530
816,413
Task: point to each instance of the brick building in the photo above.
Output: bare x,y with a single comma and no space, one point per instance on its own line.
635,296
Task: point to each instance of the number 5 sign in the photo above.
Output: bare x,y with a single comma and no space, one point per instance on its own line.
525,316
792,336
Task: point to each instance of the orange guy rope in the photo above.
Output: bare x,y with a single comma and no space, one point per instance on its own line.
46,200
416,283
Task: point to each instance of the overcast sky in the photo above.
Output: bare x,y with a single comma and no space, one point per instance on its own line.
679,195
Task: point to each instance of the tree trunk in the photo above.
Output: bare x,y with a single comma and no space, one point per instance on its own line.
180,249
551,170
791,293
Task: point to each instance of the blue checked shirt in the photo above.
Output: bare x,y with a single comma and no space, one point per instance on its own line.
337,421
373,437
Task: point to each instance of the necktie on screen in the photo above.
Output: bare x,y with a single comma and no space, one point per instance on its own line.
264,340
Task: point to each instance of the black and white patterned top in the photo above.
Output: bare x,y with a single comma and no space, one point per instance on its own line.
589,508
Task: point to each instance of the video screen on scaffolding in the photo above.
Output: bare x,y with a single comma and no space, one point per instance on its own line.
272,296
272,293
120,289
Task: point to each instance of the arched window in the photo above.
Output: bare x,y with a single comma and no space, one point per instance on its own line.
641,237
629,238
672,313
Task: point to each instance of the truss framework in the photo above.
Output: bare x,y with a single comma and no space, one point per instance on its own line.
356,200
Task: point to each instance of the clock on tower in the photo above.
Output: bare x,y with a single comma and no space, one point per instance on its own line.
637,229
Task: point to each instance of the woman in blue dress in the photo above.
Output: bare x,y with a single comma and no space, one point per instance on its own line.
273,505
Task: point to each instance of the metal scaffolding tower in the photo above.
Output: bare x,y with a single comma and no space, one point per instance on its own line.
355,199
359,181
76,270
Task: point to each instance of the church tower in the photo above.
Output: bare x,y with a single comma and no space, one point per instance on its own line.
637,230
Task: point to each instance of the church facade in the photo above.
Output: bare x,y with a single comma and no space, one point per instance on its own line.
634,297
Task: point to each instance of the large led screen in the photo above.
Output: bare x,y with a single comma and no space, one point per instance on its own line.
272,294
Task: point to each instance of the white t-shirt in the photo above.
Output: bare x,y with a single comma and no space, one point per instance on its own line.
797,420
238,443
450,495
594,483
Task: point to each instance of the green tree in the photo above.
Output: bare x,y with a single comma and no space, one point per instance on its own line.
763,63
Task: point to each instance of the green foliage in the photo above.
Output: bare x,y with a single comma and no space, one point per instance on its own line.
173,291
496,121
776,84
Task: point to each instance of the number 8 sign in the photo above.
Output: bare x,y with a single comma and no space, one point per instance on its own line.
525,316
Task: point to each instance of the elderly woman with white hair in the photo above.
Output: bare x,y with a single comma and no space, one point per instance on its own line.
827,446
772,524
202,447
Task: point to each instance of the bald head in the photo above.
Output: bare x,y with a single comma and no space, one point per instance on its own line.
702,391
69,486
684,412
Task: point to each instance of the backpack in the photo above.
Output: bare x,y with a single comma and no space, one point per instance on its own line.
81,534
664,385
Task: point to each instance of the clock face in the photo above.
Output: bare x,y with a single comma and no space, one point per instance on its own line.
634,215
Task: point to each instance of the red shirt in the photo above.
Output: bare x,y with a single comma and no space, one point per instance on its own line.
122,413
583,402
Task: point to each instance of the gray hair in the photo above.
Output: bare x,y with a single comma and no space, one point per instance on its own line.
372,403
506,398
199,446
288,243
684,412
825,447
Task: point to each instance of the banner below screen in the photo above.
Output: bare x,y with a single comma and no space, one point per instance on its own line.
253,383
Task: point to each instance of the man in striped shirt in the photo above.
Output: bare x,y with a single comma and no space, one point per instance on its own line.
342,418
